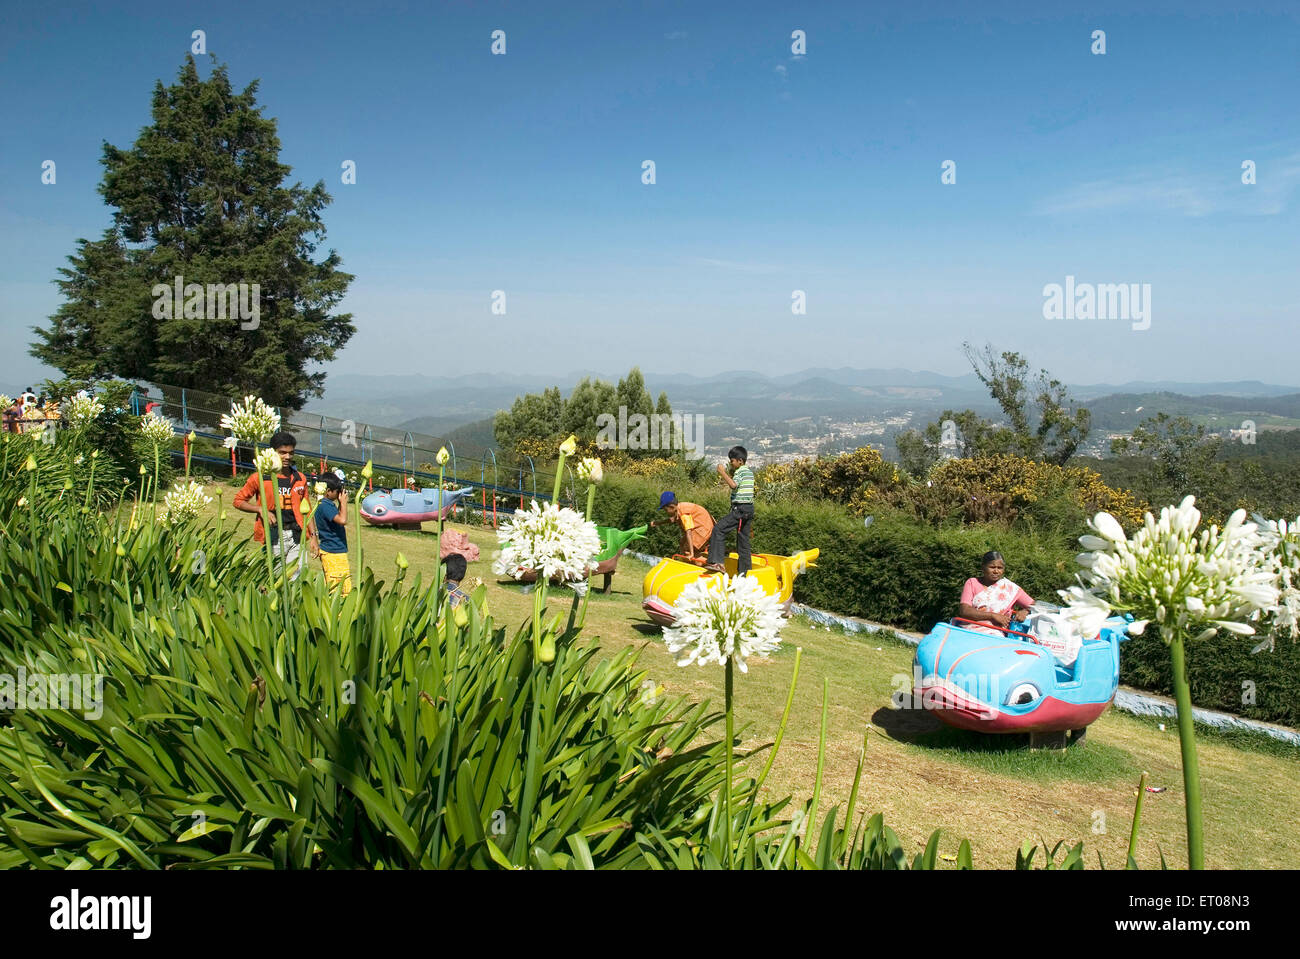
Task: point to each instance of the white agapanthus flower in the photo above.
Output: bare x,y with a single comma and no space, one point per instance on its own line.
591,470
1170,575
554,540
1282,540
253,422
724,617
81,410
156,429
182,503
267,461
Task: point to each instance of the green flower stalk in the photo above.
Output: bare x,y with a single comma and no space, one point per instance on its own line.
546,649
138,496
567,449
1137,819
731,776
442,458
1190,585
591,470
90,486
30,466
266,462
366,472
157,430
724,619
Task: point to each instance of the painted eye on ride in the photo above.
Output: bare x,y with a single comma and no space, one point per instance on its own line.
1023,694
380,510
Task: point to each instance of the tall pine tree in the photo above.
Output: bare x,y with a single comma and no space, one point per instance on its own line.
202,195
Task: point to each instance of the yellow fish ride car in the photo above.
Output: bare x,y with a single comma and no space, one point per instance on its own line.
666,580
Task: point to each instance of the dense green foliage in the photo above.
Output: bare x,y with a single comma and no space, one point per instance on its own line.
538,422
114,435
1042,421
1172,457
200,195
1223,674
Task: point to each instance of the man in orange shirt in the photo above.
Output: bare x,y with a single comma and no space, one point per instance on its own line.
696,524
284,496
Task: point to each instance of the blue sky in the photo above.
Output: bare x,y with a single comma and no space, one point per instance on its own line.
775,173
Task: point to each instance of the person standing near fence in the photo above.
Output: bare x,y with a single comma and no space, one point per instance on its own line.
12,414
741,518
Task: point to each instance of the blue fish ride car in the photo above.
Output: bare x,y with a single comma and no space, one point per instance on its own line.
1012,681
408,508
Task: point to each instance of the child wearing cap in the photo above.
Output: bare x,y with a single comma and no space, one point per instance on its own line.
696,523
331,518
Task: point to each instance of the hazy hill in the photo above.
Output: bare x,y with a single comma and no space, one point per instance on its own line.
473,436
1120,412
438,405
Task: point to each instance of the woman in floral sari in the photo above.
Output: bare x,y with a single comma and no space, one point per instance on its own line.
992,598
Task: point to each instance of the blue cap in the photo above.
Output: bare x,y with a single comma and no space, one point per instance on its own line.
667,498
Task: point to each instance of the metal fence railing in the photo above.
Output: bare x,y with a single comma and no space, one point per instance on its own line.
334,442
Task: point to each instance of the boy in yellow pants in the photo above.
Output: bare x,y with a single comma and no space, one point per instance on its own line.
332,532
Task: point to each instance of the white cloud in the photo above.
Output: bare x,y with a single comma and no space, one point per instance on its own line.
734,265
1192,194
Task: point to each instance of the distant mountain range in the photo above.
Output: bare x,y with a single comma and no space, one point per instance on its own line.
437,404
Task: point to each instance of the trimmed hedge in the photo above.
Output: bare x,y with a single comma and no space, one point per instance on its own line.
1217,670
896,571
905,573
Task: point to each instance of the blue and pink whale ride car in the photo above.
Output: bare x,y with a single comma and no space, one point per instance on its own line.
408,508
1010,681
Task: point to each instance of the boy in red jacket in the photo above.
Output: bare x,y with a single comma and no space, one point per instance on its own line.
285,494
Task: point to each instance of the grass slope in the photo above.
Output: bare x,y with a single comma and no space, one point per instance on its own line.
919,773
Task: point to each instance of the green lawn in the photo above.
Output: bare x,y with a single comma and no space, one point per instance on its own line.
919,773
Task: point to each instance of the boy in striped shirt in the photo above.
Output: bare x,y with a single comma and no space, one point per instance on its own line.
741,517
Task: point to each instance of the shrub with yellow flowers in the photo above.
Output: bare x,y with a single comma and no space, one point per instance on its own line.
856,480
1002,487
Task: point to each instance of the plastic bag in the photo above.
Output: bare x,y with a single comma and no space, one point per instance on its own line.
1056,633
